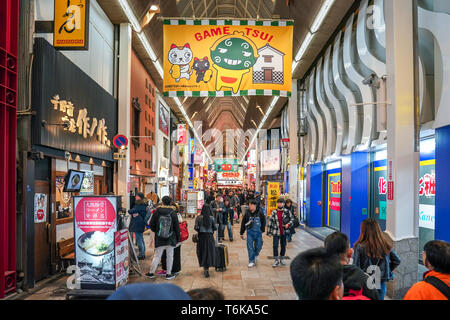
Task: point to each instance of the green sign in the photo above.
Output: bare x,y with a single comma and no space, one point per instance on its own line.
226,165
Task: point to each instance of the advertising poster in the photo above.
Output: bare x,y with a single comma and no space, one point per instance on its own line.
334,201
40,207
427,194
122,257
380,192
226,165
273,193
163,119
198,156
270,160
87,186
192,203
227,57
95,224
71,27
201,199
231,177
182,134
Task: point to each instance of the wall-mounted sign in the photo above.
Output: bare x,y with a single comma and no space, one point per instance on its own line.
182,134
40,207
270,160
71,25
163,119
87,186
226,57
226,165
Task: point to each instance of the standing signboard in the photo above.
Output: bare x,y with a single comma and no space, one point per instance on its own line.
273,193
122,258
95,224
192,203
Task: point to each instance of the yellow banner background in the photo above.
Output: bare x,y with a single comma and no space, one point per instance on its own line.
234,73
70,24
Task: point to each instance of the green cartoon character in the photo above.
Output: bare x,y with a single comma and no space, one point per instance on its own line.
233,56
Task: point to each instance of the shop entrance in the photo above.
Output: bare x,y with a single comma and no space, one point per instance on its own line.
332,195
42,230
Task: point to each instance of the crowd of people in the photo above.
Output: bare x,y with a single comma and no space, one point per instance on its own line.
336,271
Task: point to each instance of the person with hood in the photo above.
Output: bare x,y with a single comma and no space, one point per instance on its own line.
375,248
288,205
205,225
355,280
137,223
254,222
164,223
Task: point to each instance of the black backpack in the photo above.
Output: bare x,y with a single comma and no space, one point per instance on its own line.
165,226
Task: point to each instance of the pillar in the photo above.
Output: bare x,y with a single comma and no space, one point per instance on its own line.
293,144
124,108
403,158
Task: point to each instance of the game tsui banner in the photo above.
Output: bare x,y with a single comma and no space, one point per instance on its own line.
227,58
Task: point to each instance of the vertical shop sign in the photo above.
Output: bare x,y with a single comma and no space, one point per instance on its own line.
122,257
182,134
40,207
273,193
334,200
71,25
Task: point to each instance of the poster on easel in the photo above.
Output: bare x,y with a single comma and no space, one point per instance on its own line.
192,203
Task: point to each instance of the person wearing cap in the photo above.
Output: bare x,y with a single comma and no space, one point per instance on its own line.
280,221
137,223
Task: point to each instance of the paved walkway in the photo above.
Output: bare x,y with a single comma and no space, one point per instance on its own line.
238,282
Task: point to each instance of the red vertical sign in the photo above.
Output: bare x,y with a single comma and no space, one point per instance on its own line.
390,191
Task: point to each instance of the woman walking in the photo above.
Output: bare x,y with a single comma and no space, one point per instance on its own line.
374,249
205,225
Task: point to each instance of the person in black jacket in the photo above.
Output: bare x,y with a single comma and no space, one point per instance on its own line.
137,224
205,225
254,222
164,223
374,249
227,219
355,280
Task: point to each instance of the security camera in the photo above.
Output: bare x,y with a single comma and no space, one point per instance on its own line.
371,80
67,155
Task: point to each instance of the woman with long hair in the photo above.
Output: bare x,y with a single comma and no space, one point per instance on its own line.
205,225
374,249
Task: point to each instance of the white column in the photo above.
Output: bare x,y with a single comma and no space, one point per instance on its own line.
402,211
403,160
124,96
293,142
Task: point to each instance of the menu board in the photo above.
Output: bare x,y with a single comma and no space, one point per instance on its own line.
87,186
192,203
122,257
95,223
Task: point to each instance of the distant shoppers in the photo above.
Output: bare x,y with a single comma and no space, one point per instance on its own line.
205,225
280,221
149,291
176,267
293,210
227,219
374,248
355,280
206,294
164,223
436,281
254,222
137,224
317,275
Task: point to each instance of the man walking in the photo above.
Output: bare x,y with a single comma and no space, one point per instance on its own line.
218,208
280,221
164,223
254,222
137,224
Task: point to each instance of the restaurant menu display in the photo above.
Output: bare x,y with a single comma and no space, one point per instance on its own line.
95,223
40,207
122,257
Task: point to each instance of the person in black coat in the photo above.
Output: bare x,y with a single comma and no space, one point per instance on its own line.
227,219
163,214
205,225
137,224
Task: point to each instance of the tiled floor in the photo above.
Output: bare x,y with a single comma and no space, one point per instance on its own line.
238,282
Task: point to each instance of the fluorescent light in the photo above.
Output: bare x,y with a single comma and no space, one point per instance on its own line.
321,15
154,7
130,15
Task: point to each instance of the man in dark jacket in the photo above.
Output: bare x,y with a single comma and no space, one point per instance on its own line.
137,224
217,208
254,222
355,280
164,223
227,219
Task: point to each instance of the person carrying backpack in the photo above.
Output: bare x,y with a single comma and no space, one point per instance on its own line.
164,223
436,281
375,249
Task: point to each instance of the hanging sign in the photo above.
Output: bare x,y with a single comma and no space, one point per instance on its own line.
227,57
273,193
182,134
71,26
